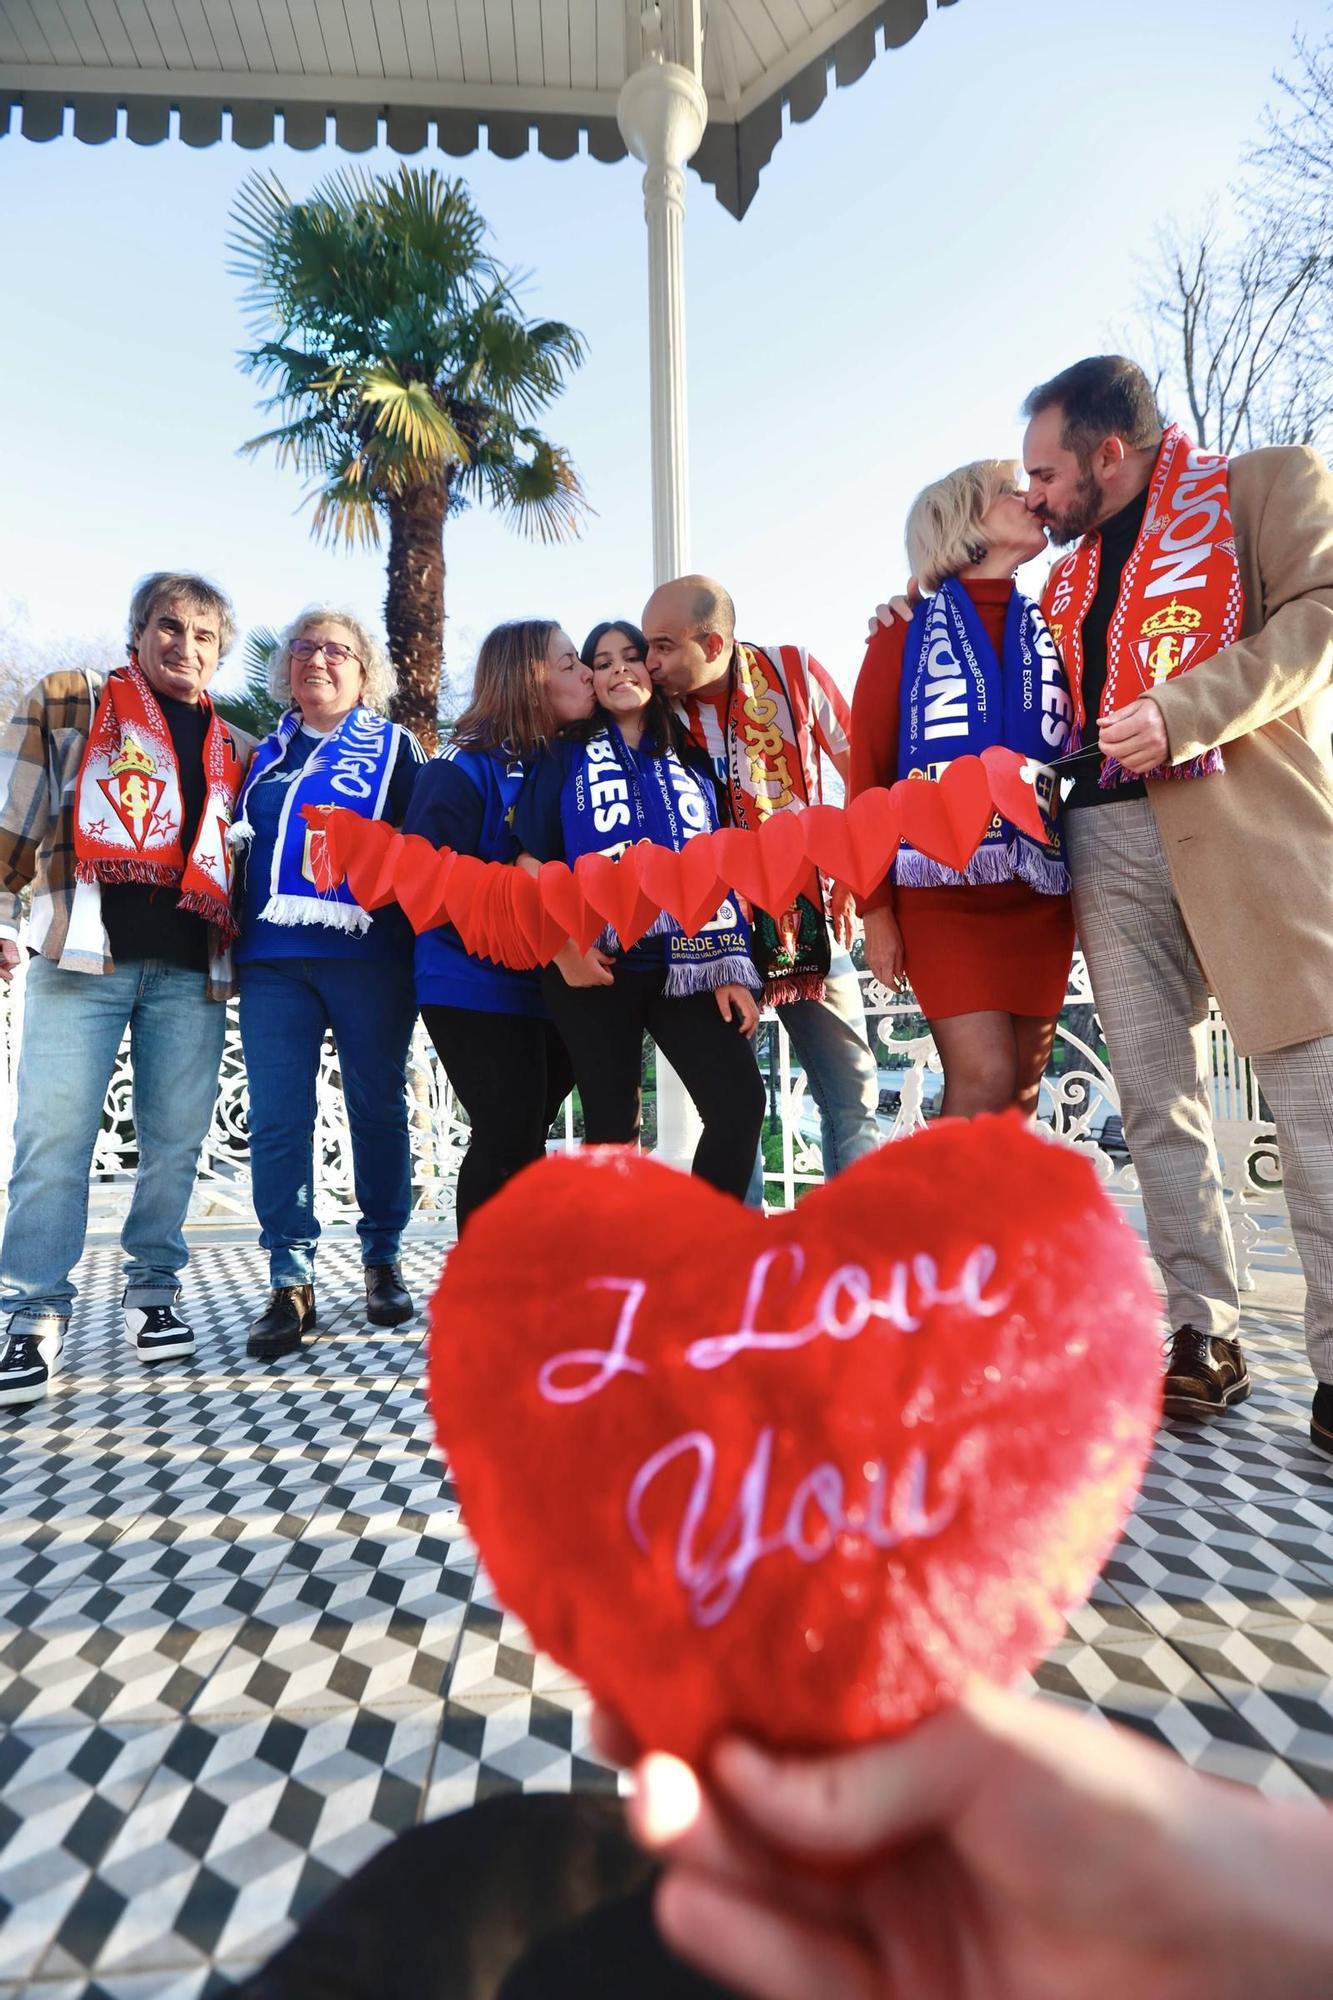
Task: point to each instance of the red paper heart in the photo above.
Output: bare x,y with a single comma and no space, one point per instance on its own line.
615,893
566,903
539,930
801,1476
686,885
947,820
420,875
768,867
460,892
1014,795
855,844
368,852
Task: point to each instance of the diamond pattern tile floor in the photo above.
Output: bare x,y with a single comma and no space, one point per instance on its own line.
244,1639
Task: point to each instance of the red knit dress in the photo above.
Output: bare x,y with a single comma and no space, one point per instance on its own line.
993,947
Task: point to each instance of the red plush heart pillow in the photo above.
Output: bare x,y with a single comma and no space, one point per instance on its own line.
801,1476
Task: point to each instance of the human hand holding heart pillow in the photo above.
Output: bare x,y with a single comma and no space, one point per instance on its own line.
804,1476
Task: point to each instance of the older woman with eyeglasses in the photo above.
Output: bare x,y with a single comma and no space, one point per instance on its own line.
310,960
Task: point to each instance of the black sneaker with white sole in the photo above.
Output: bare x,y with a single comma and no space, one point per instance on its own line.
157,1333
29,1358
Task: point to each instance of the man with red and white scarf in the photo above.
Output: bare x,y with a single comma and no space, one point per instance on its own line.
116,794
763,715
1195,618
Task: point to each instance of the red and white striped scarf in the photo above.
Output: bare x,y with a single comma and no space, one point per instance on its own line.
128,816
764,744
1180,598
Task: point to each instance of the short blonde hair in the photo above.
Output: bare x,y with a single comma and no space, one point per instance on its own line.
381,682
944,521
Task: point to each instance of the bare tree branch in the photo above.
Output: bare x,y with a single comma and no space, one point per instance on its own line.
1240,321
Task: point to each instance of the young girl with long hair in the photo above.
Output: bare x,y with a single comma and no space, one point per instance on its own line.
624,775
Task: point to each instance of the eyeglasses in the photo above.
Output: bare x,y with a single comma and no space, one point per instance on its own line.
306,649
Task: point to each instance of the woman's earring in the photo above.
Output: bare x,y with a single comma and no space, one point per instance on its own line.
977,552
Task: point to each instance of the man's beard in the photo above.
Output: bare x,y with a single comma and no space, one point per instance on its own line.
1080,515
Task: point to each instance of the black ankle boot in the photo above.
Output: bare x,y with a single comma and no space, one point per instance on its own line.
1321,1418
387,1300
290,1313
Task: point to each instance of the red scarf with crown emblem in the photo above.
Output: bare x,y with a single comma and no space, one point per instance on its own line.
1180,598
128,813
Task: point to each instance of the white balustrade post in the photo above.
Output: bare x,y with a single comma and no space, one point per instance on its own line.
662,113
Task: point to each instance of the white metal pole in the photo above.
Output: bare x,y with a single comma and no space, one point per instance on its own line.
662,113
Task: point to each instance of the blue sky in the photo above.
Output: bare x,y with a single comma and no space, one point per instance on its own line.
959,224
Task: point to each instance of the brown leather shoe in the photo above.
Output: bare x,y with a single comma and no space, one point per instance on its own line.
1204,1375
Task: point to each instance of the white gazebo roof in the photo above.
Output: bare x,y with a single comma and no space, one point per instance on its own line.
416,73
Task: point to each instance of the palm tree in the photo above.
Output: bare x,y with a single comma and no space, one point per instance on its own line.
252,706
407,381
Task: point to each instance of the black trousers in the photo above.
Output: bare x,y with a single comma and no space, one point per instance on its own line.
511,1074
542,1897
603,1029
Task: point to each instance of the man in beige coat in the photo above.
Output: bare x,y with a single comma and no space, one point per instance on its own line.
1220,882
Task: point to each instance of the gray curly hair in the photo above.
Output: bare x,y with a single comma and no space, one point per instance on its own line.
192,593
380,684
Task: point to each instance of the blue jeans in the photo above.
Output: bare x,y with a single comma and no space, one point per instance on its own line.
286,1005
72,1027
830,1041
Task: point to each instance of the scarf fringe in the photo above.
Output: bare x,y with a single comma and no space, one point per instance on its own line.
1042,871
332,916
689,977
785,992
156,874
213,911
990,864
1209,765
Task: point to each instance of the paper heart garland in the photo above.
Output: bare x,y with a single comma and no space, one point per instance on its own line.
947,820
368,863
855,844
616,893
565,902
801,1476
461,888
541,932
420,879
768,866
1013,794
686,885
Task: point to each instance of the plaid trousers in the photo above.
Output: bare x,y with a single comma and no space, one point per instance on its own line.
1152,998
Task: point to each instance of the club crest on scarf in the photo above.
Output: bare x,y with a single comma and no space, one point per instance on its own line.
134,789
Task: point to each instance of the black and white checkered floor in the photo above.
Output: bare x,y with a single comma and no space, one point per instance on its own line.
243,1638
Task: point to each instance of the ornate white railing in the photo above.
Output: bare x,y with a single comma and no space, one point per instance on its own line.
1078,1102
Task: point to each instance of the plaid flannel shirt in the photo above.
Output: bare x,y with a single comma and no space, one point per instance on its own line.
40,754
